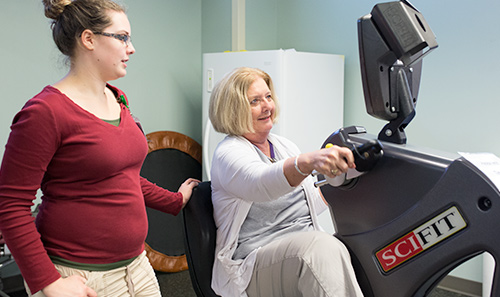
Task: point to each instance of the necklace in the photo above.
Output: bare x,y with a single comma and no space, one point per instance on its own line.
273,157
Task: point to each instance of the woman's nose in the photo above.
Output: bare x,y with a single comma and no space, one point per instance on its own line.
266,104
130,48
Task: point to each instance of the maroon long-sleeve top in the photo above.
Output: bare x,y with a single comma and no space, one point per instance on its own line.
93,202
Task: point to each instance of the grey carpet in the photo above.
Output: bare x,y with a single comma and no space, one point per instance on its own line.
179,285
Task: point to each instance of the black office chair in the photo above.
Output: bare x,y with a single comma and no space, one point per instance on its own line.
200,233
11,281
172,158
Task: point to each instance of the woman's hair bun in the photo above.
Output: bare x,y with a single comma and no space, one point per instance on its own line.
54,8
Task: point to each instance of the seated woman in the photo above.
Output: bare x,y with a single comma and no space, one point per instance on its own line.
269,242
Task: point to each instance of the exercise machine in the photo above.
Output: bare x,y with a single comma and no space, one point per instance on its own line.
408,215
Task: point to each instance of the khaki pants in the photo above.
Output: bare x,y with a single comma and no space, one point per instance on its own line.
309,264
137,279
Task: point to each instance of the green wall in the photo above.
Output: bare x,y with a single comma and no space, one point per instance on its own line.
458,98
164,75
163,82
458,102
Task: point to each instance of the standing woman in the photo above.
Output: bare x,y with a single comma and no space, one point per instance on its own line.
269,242
78,142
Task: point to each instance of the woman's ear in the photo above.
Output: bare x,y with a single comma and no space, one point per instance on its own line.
87,39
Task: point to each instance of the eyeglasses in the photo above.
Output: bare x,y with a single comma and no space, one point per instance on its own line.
122,37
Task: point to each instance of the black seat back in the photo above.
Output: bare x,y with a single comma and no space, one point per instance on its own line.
200,234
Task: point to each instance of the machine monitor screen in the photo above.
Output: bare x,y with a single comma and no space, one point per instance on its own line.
393,39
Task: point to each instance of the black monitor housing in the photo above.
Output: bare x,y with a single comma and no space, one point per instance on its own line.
393,39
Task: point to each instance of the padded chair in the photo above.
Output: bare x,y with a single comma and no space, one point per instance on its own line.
172,158
200,231
11,281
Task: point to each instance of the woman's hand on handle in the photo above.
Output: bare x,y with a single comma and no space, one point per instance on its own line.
330,161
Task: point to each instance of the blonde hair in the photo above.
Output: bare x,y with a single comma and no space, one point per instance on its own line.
229,107
72,17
